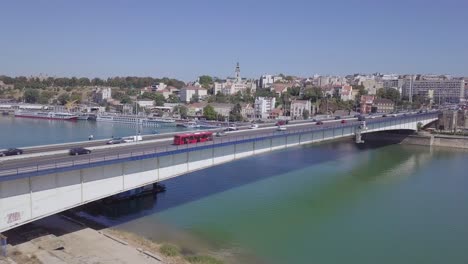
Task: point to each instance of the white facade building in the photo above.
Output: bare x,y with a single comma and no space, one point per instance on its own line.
106,93
145,103
298,107
266,81
234,85
187,93
263,106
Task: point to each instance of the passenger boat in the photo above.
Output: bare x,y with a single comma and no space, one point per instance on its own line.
47,115
83,117
158,121
190,124
123,119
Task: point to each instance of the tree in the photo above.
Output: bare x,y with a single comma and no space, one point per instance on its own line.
305,114
205,81
294,91
209,112
173,99
390,93
97,82
63,98
313,94
159,99
84,81
195,99
31,96
76,96
182,110
235,113
361,91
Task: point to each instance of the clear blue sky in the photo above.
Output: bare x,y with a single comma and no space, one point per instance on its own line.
185,39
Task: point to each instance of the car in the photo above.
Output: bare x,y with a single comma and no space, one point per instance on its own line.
371,116
281,128
343,121
282,122
79,151
254,126
337,117
319,123
220,134
393,115
361,118
231,128
115,141
10,152
384,115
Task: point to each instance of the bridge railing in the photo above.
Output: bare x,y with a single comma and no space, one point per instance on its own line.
154,150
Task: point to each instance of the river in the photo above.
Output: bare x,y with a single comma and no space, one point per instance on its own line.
329,203
25,132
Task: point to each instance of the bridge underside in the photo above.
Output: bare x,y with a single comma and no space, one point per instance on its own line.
27,197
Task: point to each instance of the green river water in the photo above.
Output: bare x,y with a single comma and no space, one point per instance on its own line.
329,203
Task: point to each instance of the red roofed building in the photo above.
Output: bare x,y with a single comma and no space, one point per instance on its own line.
366,103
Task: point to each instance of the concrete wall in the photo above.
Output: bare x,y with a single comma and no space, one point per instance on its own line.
451,142
35,196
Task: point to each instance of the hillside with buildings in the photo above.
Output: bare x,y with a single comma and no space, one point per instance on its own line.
236,98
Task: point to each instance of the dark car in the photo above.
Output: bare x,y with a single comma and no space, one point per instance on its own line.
361,118
319,123
282,122
79,151
337,117
115,141
11,151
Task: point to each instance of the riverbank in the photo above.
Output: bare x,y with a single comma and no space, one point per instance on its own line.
421,139
61,239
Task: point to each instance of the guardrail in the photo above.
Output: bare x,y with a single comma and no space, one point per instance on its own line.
151,152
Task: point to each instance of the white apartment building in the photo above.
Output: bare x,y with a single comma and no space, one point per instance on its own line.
266,81
263,106
106,93
187,93
102,94
346,93
277,78
298,107
145,103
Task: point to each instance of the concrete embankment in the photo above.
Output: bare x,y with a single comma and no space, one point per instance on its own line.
419,139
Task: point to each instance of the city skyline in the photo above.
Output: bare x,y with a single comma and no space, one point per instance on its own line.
185,40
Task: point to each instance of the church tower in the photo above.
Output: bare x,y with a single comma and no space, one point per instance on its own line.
237,73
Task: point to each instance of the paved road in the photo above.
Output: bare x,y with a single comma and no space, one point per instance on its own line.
160,146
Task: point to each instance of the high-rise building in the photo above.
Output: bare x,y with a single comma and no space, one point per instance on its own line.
263,106
450,91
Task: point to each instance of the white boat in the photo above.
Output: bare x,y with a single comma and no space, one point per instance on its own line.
83,117
122,119
158,121
47,115
190,124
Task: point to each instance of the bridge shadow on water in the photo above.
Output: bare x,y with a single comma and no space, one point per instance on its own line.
204,183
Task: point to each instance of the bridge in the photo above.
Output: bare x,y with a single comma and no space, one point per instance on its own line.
36,185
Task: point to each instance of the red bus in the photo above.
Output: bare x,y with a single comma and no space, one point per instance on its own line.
191,138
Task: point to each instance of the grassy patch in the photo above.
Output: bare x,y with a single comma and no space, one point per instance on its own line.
203,260
169,250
